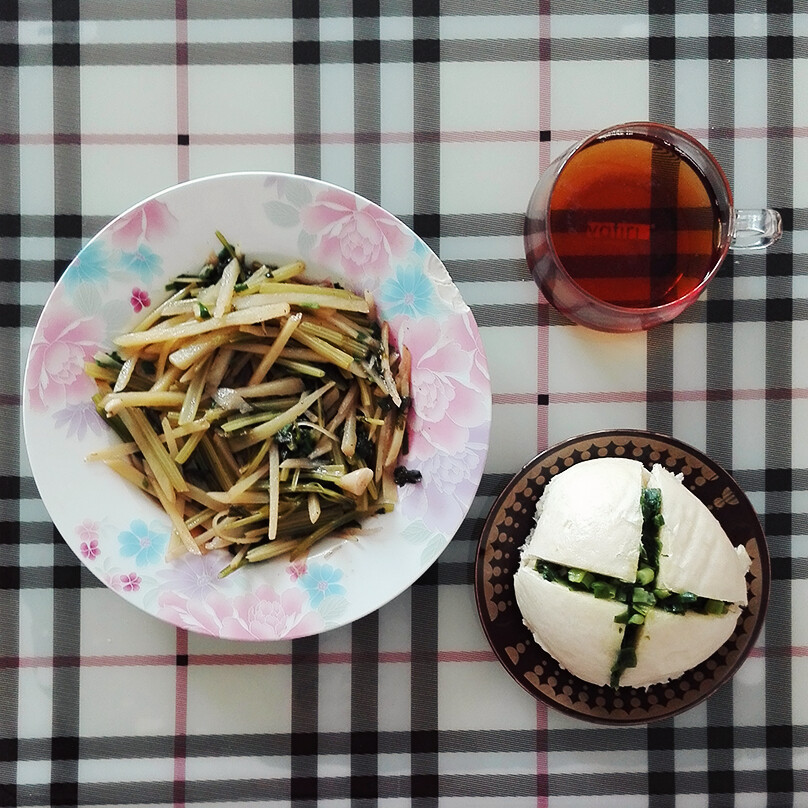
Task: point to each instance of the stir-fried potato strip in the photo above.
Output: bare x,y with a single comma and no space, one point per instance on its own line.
262,412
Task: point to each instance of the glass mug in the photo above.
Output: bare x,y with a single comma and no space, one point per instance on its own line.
626,229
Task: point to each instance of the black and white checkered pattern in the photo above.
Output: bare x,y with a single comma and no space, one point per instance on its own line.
444,112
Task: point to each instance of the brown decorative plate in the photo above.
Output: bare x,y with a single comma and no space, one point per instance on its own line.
507,528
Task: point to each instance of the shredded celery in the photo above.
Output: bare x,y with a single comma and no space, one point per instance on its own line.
262,411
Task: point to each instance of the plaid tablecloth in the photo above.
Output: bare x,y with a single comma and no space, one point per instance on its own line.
444,112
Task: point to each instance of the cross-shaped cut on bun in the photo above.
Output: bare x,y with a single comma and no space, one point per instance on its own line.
627,578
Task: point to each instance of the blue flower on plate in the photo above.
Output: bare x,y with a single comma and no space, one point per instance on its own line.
143,262
88,267
320,582
146,543
408,292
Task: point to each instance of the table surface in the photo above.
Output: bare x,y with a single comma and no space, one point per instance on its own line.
444,112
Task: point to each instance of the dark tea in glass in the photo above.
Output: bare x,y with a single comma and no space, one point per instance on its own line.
625,230
633,222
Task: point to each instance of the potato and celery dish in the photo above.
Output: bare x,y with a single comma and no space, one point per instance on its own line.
262,413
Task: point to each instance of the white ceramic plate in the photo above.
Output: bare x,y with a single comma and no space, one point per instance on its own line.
120,535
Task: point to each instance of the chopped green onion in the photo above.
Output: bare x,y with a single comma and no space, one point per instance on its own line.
604,590
640,595
582,577
715,607
645,575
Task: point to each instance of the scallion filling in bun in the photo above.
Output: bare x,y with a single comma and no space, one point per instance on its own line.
634,565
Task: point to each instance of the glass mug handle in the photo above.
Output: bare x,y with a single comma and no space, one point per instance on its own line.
755,229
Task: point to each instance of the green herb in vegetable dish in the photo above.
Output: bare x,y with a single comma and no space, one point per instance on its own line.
261,411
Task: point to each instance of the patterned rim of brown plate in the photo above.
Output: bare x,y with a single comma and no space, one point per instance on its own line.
507,527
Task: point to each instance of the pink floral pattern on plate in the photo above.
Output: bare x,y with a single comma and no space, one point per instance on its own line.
55,374
148,222
449,427
120,535
265,614
363,239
